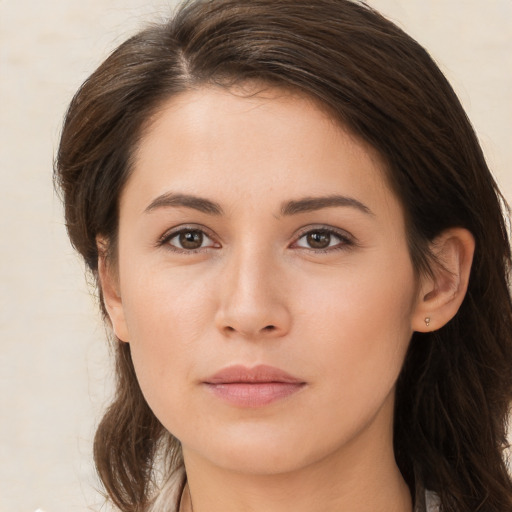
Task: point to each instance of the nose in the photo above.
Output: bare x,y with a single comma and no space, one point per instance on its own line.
253,298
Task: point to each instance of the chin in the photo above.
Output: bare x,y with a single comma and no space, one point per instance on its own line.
259,460
261,451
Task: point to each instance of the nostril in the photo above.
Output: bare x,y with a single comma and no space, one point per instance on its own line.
269,328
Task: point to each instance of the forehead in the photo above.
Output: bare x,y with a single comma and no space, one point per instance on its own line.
262,139
282,112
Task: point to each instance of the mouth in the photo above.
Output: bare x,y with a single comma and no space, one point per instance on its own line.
253,387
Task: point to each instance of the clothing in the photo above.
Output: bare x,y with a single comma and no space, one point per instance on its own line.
429,502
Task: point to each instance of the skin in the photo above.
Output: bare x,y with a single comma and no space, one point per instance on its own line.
255,291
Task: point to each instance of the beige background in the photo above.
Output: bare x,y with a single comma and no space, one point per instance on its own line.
54,374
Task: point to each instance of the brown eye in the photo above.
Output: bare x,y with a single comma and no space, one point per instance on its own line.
318,239
190,240
324,239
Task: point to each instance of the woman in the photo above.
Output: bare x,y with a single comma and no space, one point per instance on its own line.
303,258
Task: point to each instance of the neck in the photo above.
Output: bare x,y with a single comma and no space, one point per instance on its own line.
396,497
360,477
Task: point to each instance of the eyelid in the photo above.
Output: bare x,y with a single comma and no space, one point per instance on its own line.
176,230
347,239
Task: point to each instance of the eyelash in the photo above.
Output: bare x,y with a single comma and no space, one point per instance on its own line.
169,235
345,239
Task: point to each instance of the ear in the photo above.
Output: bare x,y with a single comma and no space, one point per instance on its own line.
109,283
442,292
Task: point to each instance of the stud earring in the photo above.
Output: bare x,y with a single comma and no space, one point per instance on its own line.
427,321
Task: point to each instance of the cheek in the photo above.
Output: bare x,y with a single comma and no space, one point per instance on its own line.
167,314
363,323
162,301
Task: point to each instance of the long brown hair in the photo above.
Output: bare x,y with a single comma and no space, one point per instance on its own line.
453,394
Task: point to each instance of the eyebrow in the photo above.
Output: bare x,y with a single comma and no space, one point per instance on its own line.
294,207
184,200
310,204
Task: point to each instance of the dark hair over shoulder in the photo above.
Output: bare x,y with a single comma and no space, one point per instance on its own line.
454,391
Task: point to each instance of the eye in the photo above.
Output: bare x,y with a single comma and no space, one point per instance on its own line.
322,239
189,240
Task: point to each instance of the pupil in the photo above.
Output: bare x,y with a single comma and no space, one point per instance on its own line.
191,239
319,240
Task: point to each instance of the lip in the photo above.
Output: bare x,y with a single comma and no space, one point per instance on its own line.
253,387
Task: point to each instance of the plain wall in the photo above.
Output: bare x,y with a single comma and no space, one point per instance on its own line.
54,367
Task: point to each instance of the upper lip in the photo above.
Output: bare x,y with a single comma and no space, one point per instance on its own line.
256,374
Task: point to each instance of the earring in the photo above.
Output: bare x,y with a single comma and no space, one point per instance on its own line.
427,321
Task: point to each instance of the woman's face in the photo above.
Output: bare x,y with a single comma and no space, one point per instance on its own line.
264,282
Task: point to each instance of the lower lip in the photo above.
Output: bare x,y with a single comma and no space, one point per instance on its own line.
256,394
